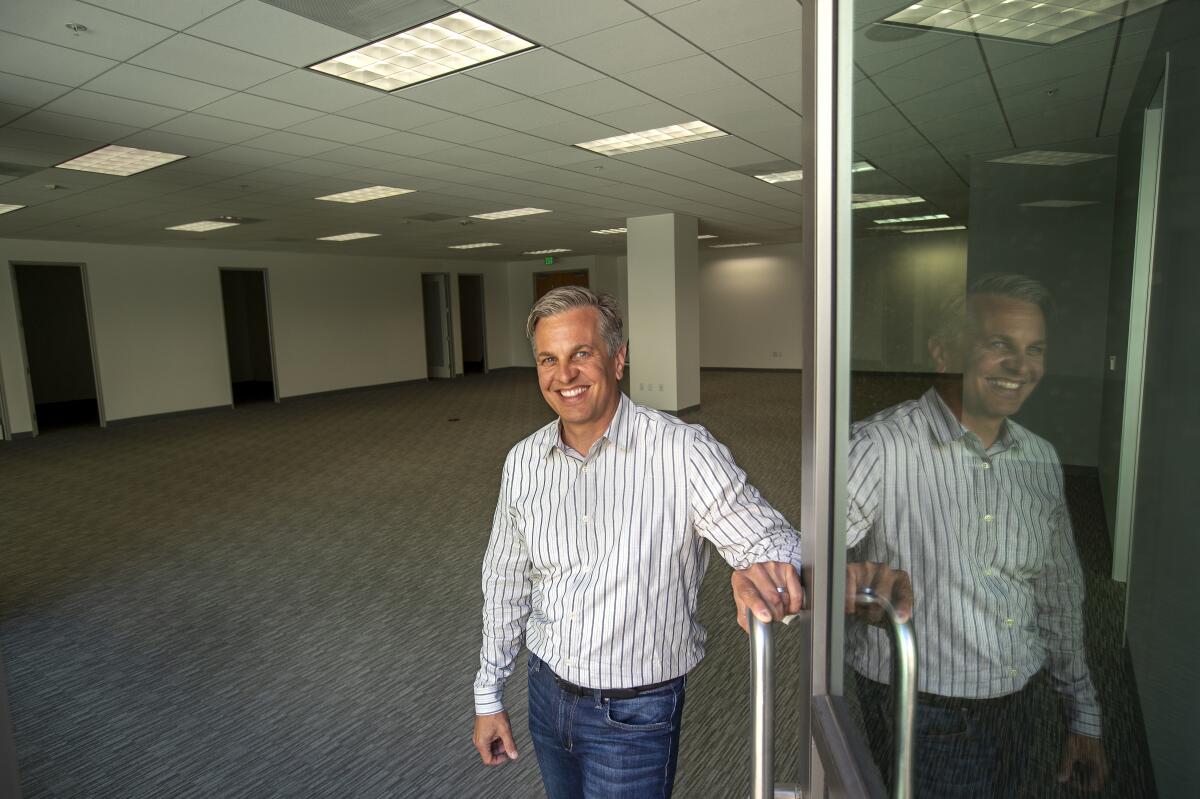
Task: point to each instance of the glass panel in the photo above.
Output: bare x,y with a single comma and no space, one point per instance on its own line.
1021,404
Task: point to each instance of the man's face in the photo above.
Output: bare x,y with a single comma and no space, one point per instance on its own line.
579,378
1001,355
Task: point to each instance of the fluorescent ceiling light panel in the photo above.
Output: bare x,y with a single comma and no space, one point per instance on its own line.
203,226
347,236
1049,158
364,195
655,137
706,236
511,214
739,244
1060,203
122,161
545,252
922,218
1046,22
798,174
448,44
474,246
6,208
932,229
608,231
859,201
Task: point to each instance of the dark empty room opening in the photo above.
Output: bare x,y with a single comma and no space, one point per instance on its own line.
248,335
58,345
474,334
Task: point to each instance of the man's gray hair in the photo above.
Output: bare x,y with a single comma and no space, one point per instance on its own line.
952,318
568,298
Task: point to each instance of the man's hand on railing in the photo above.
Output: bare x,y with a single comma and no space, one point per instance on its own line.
771,590
884,581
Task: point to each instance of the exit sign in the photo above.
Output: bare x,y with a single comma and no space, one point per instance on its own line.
548,260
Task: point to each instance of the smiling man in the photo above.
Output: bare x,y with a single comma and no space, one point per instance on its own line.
595,561
970,503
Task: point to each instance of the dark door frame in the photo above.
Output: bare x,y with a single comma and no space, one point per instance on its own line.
270,327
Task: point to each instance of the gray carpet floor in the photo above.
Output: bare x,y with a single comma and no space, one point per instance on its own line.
283,600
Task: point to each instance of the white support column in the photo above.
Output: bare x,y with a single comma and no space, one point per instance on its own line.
664,311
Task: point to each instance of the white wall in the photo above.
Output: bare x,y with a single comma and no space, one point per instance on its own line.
339,322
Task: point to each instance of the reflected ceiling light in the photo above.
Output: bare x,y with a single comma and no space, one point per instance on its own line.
608,231
545,252
365,195
1060,203
1049,158
347,236
511,214
1044,22
922,218
474,246
932,229
203,226
656,137
739,244
6,208
121,161
448,44
798,174
859,201
706,236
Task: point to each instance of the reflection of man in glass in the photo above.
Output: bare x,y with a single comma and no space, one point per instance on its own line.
970,503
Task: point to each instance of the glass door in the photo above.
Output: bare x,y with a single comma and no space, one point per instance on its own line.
974,258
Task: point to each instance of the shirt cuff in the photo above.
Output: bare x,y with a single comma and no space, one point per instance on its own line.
488,703
1086,721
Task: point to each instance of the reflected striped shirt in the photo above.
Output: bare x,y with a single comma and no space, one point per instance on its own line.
985,534
595,561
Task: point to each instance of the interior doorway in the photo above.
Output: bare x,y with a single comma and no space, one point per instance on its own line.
58,345
545,281
246,302
439,341
472,324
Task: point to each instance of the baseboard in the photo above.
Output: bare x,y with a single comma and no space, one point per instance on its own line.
688,409
353,389
746,369
19,436
152,417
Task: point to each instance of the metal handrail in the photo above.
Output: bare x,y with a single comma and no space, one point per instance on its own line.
762,721
904,692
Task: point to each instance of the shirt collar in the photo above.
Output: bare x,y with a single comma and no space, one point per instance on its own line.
619,431
947,428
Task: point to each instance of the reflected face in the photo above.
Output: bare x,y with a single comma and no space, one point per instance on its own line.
579,379
1001,355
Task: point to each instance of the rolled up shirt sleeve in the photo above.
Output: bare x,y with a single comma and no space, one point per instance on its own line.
731,513
506,601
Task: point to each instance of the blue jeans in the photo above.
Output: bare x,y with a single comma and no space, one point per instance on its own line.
589,747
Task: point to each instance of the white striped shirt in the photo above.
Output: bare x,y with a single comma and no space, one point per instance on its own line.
985,535
596,561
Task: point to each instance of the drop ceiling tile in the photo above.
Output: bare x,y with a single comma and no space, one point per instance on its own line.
109,35
152,86
360,156
973,92
175,15
787,89
763,58
274,33
684,76
396,113
205,127
714,24
200,60
551,23
165,142
513,144
461,130
28,157
28,91
405,143
560,156
314,90
784,141
629,47
525,115
462,94
644,117
596,97
728,151
658,6
535,73
240,154
315,166
48,62
73,126
9,112
106,108
282,141
259,111
340,129
577,131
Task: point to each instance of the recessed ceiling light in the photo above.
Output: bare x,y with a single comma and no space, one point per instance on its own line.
608,231
798,174
860,201
510,214
1060,203
706,236
448,44
1049,158
6,208
203,226
739,244
363,195
347,236
116,160
922,218
655,137
474,246
1045,22
932,229
545,252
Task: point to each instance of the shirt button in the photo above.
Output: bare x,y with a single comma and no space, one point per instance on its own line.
1009,622
585,467
586,519
985,465
987,572
987,517
572,616
1013,672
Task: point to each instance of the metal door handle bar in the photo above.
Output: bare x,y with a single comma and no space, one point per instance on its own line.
904,691
762,721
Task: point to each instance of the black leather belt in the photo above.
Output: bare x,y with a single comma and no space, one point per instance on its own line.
609,693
